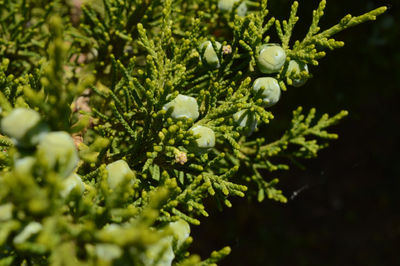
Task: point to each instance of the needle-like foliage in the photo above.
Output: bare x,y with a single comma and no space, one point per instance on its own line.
120,117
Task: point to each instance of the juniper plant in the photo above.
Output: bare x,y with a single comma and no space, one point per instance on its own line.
120,117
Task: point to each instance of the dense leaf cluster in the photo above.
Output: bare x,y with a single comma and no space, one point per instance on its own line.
160,100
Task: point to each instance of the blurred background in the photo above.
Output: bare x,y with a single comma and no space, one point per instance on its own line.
347,208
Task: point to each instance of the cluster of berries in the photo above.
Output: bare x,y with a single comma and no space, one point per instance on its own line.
186,107
41,150
270,60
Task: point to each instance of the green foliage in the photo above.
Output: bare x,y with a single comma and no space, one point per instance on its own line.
113,79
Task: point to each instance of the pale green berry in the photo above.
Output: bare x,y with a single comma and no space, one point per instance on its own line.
19,122
242,9
180,231
23,166
209,54
183,107
112,228
161,250
23,126
271,58
294,69
206,136
6,211
118,171
73,183
31,229
271,91
245,118
57,150
108,252
227,5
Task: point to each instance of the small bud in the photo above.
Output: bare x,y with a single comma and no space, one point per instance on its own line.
226,49
78,139
271,91
180,157
271,58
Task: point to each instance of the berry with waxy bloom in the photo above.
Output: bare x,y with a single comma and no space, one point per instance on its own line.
180,231
294,69
162,247
73,183
6,211
58,152
108,252
31,229
24,166
271,91
271,58
209,55
184,107
227,5
206,136
244,118
118,171
24,126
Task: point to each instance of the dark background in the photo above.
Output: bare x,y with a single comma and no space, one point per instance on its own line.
349,211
